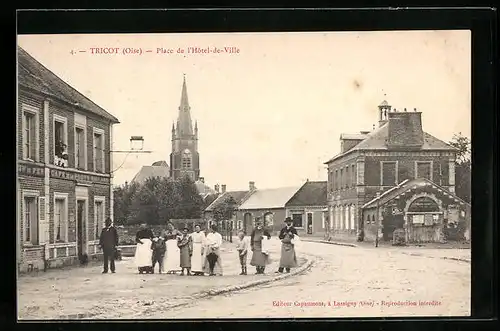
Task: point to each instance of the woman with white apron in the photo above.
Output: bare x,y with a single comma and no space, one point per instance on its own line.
198,257
172,261
143,251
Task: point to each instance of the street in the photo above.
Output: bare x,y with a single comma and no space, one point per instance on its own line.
351,282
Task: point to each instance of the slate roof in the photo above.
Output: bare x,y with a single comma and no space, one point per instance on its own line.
407,185
376,141
312,193
269,198
33,75
149,172
238,196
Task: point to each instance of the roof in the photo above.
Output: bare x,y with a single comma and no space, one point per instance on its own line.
204,189
33,75
407,185
149,172
269,198
160,163
312,193
376,141
353,136
384,103
238,196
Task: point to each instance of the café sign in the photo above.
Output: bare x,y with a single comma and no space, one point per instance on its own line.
30,170
84,178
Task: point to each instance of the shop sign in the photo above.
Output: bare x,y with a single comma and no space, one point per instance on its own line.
30,170
81,178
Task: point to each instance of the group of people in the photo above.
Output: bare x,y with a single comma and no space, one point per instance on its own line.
174,251
197,253
259,239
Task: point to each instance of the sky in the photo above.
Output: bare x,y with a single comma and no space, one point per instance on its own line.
272,112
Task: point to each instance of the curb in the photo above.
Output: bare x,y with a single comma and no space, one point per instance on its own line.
330,242
438,257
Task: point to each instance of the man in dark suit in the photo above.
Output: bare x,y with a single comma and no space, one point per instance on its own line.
108,242
288,257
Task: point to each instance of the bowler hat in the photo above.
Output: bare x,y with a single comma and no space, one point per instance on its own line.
288,220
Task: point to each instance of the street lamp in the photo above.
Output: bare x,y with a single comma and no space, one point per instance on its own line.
136,146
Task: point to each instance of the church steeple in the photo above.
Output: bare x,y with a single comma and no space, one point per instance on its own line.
184,124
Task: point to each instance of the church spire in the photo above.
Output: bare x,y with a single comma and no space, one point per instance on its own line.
184,124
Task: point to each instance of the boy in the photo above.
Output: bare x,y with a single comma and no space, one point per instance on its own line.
159,248
242,248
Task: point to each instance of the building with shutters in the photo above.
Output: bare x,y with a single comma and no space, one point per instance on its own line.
373,162
64,176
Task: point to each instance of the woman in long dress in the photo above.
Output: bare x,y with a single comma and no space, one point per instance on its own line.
143,252
172,256
212,264
185,244
198,257
259,259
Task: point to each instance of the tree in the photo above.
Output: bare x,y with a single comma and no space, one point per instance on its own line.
191,203
225,210
462,166
123,196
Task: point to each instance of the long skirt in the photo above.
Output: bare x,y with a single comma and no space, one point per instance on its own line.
288,257
218,263
259,259
197,258
144,254
172,256
185,259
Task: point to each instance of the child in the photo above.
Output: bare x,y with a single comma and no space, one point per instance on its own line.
242,248
159,247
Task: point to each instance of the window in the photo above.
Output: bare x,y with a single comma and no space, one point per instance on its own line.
423,170
30,135
388,173
99,217
80,148
347,177
353,175
269,219
341,181
186,159
297,220
60,141
98,151
30,220
336,181
60,220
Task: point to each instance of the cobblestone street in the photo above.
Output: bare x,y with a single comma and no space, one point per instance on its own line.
360,279
126,294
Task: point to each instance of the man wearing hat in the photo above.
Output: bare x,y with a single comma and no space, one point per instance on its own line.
288,257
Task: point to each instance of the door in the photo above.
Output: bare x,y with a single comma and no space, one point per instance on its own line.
247,223
309,223
80,225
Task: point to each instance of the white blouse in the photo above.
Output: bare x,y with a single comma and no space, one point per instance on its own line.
214,239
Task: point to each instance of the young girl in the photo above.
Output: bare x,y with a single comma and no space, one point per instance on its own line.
242,248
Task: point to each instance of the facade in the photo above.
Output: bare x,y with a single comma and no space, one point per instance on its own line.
184,158
308,209
424,210
269,205
64,181
373,162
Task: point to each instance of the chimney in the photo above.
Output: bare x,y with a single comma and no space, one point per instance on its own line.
202,179
216,187
251,186
223,188
405,130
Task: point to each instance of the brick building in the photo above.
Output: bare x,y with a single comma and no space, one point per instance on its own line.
64,178
371,162
308,209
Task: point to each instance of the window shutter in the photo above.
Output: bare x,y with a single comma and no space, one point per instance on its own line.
42,222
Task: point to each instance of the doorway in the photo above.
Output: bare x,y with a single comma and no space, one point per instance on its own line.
81,239
309,223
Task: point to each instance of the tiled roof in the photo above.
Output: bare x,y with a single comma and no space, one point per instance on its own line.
149,172
33,75
203,188
408,185
376,141
269,198
312,193
160,163
238,196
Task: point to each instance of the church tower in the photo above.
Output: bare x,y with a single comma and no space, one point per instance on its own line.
184,159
